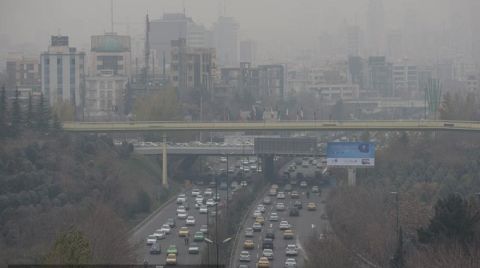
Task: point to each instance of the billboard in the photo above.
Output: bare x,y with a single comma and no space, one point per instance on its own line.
357,154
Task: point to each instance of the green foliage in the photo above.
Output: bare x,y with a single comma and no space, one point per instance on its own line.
3,113
29,117
43,114
71,247
16,118
455,220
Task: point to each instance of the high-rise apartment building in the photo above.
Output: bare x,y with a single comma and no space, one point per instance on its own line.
354,40
376,28
63,73
248,51
23,72
225,32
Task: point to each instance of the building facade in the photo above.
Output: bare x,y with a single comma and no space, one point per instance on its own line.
225,32
23,73
63,73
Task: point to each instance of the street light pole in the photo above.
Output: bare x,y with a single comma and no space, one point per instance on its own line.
397,211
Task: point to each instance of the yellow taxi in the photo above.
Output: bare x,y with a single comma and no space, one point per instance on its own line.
263,263
288,234
311,206
171,259
183,231
260,219
248,244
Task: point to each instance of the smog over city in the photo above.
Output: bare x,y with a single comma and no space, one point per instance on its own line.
240,133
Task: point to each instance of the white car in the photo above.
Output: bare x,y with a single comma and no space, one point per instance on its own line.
208,192
281,195
195,192
199,198
166,228
181,199
203,209
243,183
182,215
303,184
280,206
210,203
290,262
151,239
273,217
159,234
244,256
248,232
181,209
284,225
291,250
261,208
268,253
190,220
198,205
257,213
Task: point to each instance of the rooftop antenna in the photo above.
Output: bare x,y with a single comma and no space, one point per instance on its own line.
184,9
111,15
147,49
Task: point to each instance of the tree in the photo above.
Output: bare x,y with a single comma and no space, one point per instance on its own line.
71,247
454,220
3,112
16,113
64,111
43,113
29,118
56,124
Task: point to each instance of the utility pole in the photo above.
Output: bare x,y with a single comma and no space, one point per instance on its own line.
147,50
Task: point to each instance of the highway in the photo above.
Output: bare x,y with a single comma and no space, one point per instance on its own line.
308,223
165,127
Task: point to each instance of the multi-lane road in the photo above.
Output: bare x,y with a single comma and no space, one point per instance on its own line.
304,226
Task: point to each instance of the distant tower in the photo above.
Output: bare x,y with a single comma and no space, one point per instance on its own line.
376,28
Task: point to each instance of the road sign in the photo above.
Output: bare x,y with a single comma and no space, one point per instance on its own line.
356,154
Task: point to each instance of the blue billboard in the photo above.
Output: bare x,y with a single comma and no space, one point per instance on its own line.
351,154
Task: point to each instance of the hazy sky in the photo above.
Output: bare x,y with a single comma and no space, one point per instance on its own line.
268,21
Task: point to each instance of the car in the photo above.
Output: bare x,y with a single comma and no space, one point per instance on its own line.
195,192
280,207
193,248
249,232
288,234
267,200
270,234
284,225
243,266
315,189
208,192
268,252
159,234
257,227
303,184
203,209
171,222
298,204
260,219
263,262
294,195
291,250
288,188
190,220
166,228
290,263
244,256
261,208
274,186
257,213
281,195
210,202
171,259
273,216
216,197
294,212
272,192
184,231
181,209
155,248
311,206
267,243
182,215
172,249
243,183
199,199
181,199
198,236
223,159
204,228
248,244
151,239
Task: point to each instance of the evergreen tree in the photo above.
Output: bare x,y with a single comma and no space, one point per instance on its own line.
56,124
3,113
71,247
29,118
43,114
16,114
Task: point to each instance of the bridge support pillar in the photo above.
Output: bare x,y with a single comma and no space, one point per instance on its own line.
268,168
164,162
352,176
